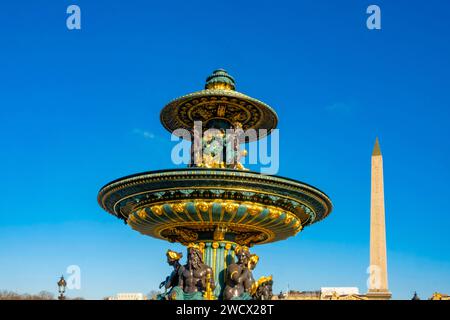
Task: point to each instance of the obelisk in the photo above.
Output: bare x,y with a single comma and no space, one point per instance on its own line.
378,281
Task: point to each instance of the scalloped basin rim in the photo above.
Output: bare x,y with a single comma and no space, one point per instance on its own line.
249,173
273,207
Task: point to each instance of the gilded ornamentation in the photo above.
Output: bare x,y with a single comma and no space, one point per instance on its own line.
253,261
231,207
208,295
219,233
298,229
142,214
248,187
253,114
288,219
173,255
219,222
182,235
249,238
221,111
178,207
195,246
275,213
203,206
240,248
254,210
158,210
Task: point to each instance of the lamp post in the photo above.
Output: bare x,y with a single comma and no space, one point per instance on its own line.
416,296
62,288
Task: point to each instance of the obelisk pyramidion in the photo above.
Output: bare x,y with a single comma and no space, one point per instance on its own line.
378,282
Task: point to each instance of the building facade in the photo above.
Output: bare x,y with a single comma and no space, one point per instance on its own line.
128,296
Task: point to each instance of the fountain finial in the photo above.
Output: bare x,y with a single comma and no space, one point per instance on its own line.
221,80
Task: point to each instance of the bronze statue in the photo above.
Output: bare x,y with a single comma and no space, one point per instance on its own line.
250,281
195,279
262,289
239,279
173,259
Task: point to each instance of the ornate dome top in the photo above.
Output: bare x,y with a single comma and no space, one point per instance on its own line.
220,79
219,103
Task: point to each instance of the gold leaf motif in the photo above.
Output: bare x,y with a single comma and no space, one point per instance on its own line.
203,206
221,111
157,210
299,229
254,210
288,219
231,208
275,213
142,213
178,207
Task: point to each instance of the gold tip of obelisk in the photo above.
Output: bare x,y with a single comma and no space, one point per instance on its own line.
376,148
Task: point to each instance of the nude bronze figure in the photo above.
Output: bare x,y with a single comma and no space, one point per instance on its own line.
195,278
239,277
173,259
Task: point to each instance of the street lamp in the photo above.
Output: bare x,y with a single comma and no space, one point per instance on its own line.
62,288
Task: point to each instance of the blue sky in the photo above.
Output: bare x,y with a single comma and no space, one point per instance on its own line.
75,106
